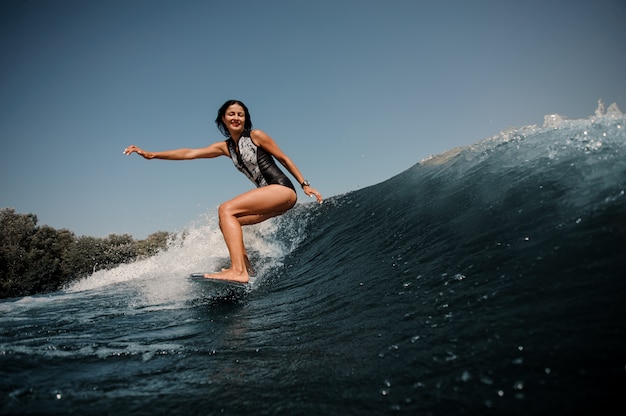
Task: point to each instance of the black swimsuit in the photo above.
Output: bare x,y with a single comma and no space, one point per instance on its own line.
254,162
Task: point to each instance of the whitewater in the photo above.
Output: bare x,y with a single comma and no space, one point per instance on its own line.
485,280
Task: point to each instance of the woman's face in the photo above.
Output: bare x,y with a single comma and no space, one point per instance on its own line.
235,119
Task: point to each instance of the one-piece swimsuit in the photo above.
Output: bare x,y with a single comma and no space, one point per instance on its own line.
254,162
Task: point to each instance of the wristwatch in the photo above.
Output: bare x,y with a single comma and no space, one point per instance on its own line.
305,183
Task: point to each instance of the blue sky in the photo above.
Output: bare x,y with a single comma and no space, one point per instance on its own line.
354,91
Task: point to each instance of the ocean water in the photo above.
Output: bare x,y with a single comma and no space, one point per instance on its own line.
486,280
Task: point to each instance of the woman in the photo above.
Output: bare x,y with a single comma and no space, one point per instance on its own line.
253,153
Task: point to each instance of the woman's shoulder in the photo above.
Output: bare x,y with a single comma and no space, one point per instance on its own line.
258,135
221,146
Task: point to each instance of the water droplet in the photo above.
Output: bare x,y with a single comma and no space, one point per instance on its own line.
486,380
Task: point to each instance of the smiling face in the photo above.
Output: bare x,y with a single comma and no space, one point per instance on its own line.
235,119
227,115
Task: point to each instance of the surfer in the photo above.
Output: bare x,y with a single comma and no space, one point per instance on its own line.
253,153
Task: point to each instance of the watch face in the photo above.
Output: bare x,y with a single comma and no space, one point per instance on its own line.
305,183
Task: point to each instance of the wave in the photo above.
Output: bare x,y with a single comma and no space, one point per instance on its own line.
524,197
487,277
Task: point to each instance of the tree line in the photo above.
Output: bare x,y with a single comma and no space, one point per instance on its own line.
38,259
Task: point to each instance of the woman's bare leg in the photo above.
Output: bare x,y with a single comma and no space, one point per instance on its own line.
249,208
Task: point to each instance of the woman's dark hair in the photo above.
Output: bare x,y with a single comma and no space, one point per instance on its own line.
222,112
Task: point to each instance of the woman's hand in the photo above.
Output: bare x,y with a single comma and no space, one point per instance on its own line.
134,149
312,192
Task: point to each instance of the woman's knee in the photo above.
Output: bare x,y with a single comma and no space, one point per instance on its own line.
224,210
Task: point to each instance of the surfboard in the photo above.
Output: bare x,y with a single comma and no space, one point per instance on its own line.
199,277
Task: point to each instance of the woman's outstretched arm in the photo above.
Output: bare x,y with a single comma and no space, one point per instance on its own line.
214,150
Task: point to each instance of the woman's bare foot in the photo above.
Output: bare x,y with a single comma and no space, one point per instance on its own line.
248,266
230,274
